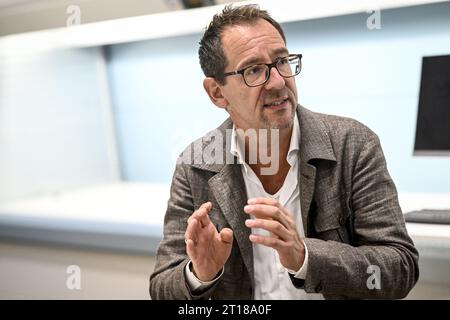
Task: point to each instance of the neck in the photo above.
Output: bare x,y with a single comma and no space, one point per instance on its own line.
266,149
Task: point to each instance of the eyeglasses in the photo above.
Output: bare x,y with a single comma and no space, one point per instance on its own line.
258,74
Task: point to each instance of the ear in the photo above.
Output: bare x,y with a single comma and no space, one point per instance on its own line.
214,91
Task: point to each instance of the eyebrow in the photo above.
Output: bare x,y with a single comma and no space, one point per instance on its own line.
254,60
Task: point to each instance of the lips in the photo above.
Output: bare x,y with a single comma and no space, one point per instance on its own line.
276,103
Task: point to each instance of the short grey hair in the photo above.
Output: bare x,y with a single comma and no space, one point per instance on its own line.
211,55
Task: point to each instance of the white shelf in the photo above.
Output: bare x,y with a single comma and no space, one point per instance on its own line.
430,232
130,216
182,22
412,201
116,216
118,202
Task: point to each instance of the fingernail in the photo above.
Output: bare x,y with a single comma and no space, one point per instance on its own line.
248,222
206,205
251,201
248,209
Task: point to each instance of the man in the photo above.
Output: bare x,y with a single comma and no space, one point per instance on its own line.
324,224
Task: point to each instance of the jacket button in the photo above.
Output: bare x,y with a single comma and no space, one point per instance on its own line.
341,221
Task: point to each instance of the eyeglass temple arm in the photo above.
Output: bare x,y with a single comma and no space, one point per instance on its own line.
233,73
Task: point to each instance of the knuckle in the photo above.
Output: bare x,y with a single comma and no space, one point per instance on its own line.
274,242
279,227
278,213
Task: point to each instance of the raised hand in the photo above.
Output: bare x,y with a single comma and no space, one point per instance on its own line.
206,247
270,215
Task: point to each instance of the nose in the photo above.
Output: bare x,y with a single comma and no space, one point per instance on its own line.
276,81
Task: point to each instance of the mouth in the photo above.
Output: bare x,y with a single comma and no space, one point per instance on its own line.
277,104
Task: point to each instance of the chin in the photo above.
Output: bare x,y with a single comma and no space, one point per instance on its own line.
282,125
282,121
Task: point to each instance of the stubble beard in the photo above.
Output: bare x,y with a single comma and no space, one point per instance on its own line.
284,123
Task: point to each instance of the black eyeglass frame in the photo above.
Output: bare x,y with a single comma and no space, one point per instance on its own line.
270,66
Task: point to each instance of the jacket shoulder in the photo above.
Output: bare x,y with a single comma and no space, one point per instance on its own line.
344,129
211,151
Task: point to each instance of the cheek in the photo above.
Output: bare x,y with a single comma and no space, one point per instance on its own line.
244,100
293,87
254,97
249,99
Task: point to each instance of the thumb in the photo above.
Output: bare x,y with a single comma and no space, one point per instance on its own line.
226,235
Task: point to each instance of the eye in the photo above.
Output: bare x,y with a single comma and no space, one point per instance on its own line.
254,70
284,60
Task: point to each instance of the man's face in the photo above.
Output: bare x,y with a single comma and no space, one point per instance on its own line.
257,107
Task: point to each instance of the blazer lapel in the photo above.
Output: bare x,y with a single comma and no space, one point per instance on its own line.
307,180
228,188
314,144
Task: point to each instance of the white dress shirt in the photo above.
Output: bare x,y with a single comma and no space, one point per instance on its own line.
272,280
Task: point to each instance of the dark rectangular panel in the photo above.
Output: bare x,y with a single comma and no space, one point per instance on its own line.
433,120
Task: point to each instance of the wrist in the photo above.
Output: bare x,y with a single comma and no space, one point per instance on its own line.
298,264
204,277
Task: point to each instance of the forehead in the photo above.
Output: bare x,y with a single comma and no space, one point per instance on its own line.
254,41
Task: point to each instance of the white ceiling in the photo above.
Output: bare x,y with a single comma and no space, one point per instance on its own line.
19,16
11,3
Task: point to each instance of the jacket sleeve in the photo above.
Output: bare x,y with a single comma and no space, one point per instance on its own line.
382,261
168,280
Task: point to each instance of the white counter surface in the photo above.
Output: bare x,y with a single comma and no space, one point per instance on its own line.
130,216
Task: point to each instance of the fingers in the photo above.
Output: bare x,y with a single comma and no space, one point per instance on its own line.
196,222
270,212
190,249
201,214
271,216
226,235
192,231
270,202
272,226
274,243
191,238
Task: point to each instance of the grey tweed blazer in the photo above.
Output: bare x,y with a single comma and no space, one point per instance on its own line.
349,206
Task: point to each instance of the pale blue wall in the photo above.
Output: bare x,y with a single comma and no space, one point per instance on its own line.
370,75
52,130
160,105
374,76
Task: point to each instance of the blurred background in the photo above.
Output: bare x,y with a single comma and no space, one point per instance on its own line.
98,98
